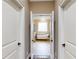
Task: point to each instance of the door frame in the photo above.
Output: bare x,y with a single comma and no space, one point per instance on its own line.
31,31
52,35
31,27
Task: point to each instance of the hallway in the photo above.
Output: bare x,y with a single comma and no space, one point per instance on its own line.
40,36
38,29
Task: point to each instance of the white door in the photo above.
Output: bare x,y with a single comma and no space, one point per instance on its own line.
52,35
70,31
10,30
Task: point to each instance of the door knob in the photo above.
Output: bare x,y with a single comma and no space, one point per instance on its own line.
64,45
19,43
33,40
48,36
51,40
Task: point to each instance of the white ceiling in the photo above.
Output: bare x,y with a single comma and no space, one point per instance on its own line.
41,0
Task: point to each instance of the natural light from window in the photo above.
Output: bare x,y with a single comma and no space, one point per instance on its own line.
42,26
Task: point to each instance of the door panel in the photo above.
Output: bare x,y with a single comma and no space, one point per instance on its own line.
9,24
8,49
70,31
71,49
71,38
9,33
13,55
68,55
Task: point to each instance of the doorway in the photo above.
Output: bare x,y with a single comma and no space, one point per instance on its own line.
42,36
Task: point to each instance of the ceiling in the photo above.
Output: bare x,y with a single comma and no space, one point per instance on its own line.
39,0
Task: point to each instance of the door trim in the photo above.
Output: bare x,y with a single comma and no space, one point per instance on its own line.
52,35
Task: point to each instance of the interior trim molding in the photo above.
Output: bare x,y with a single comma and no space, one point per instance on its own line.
15,3
64,3
40,0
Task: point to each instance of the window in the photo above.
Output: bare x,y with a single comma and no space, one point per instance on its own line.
42,26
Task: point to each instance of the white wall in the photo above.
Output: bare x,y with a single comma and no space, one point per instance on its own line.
56,29
27,28
69,23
